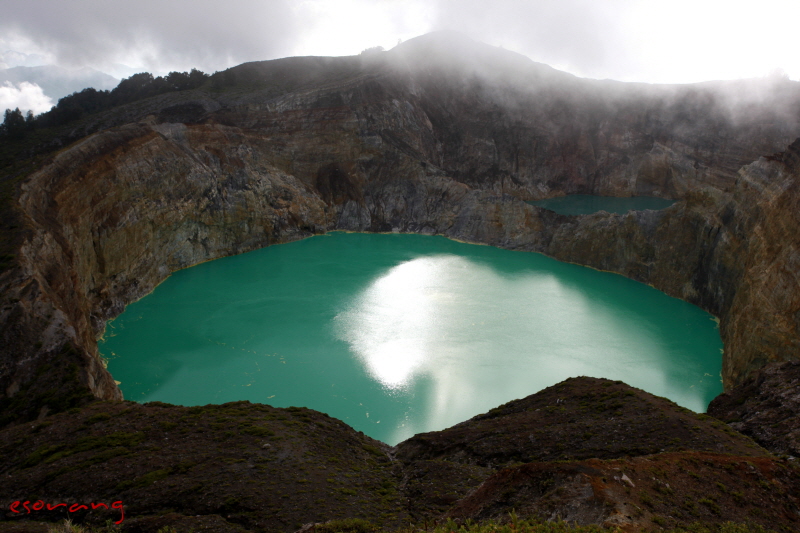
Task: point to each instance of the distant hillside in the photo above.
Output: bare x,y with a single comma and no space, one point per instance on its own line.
57,82
105,195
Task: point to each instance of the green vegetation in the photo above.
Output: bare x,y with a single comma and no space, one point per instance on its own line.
99,417
26,141
68,527
145,480
55,386
357,525
348,525
646,499
15,125
256,431
514,525
374,450
70,108
711,504
50,454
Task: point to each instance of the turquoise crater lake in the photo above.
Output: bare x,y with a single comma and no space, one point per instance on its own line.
401,334
584,204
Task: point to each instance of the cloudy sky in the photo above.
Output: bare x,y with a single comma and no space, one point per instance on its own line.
676,41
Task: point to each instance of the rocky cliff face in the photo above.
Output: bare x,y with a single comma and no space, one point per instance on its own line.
734,254
765,407
616,456
435,136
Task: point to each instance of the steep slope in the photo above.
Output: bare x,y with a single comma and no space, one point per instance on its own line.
580,418
440,135
765,407
250,467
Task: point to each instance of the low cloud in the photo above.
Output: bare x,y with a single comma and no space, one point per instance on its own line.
677,42
12,58
580,36
682,41
25,96
159,36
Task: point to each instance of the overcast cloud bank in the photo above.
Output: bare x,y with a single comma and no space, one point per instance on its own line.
679,42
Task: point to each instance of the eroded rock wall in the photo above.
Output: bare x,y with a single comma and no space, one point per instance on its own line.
386,149
764,319
734,254
111,217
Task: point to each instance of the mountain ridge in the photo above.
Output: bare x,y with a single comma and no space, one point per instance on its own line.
264,154
329,124
57,82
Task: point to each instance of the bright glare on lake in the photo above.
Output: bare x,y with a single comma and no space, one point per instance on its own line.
401,334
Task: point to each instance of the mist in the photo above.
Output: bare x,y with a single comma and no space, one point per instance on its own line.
26,96
644,42
681,42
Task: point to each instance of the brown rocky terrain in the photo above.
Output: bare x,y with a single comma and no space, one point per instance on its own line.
765,407
580,418
438,136
670,490
252,467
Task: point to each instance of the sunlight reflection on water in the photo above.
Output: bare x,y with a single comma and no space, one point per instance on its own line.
400,334
437,318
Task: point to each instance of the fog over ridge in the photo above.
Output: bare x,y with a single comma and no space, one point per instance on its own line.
617,39
612,40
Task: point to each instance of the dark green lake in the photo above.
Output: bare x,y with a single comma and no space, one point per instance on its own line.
400,334
583,204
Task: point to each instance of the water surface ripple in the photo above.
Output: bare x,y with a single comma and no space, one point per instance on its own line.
400,334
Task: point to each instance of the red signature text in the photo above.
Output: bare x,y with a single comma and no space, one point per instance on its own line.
39,505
